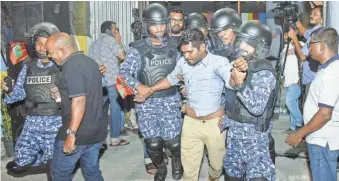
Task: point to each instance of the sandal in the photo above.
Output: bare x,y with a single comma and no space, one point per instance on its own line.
151,168
120,143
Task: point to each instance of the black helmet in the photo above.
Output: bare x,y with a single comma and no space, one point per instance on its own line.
44,29
225,18
257,35
196,20
154,14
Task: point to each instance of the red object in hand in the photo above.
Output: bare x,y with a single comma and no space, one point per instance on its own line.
17,52
122,87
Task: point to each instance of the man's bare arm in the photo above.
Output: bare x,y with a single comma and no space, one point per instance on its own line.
161,85
77,112
317,122
300,28
298,49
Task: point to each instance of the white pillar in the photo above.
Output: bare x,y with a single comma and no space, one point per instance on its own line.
332,15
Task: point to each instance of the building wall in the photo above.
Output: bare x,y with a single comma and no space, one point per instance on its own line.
88,16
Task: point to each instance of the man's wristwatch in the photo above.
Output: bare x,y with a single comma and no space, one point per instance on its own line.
71,132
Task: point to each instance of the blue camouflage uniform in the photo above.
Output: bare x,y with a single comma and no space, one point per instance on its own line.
248,153
157,117
38,133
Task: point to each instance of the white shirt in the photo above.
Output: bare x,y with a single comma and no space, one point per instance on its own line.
291,72
324,92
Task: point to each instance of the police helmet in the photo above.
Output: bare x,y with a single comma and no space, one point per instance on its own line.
255,34
154,14
43,29
223,19
196,20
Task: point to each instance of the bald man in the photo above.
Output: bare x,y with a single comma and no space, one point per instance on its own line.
83,128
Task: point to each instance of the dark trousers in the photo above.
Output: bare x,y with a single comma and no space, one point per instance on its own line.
63,166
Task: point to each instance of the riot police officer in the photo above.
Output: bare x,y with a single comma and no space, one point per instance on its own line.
197,20
223,23
148,61
249,115
34,82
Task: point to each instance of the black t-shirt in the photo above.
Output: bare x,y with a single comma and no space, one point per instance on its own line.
80,76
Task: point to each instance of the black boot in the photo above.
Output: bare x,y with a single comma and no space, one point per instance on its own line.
177,170
13,167
271,147
49,170
161,173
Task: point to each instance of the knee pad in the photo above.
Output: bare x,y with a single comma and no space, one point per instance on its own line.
258,179
229,178
154,148
173,145
271,146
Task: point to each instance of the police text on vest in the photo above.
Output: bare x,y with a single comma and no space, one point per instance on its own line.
39,79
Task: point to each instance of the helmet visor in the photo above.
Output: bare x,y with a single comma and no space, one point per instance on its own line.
155,28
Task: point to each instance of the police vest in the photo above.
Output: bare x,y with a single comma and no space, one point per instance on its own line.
38,83
235,109
156,64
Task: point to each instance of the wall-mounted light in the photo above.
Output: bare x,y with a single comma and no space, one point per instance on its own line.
56,7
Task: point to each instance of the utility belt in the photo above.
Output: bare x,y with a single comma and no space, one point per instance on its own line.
43,108
261,123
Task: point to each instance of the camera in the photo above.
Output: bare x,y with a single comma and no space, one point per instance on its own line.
290,11
9,85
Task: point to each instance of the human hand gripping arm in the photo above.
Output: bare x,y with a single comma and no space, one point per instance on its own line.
172,79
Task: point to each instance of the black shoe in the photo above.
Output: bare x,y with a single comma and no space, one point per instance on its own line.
13,167
177,170
161,173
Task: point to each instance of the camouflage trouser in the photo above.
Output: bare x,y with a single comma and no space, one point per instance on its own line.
160,117
249,158
38,135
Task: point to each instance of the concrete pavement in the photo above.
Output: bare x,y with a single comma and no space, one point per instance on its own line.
126,163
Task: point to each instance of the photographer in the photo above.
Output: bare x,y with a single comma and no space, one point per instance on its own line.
309,67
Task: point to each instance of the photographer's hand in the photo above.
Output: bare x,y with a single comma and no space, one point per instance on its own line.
4,86
293,35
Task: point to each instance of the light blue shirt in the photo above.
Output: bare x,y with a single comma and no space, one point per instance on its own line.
309,67
204,82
